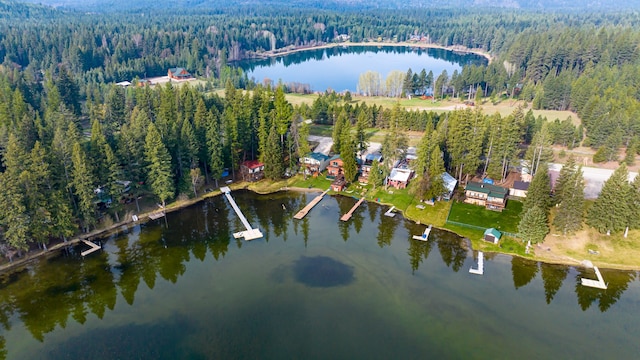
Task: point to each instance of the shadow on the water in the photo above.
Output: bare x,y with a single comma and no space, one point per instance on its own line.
322,271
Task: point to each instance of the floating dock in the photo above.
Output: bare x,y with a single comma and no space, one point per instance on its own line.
598,284
302,213
348,215
94,247
424,236
480,269
390,212
250,233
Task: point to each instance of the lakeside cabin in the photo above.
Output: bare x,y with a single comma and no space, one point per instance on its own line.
314,163
252,170
492,197
399,178
335,167
365,169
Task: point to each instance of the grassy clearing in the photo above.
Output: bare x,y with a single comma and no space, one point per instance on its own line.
320,182
507,220
436,214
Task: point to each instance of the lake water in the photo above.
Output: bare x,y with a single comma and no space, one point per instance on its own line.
339,68
312,289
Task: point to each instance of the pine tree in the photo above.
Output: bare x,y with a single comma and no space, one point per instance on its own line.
539,193
611,211
569,195
375,175
83,186
348,155
533,225
273,166
436,169
159,165
13,211
214,146
361,137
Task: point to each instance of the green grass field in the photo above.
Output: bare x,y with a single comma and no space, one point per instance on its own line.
507,220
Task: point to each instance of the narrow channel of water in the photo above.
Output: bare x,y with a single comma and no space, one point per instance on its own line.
315,288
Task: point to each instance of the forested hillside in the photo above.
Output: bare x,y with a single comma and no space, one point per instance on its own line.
67,131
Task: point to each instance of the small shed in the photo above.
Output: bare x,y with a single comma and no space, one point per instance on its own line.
492,235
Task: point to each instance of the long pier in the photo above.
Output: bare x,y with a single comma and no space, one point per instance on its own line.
250,233
480,269
348,215
302,213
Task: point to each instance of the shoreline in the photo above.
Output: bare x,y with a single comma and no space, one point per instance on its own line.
102,234
455,48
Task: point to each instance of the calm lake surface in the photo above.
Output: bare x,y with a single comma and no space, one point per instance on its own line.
339,68
312,289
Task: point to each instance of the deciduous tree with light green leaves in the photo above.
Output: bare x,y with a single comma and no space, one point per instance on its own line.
159,165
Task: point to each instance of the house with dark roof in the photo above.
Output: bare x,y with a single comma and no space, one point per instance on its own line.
252,170
179,73
490,196
519,189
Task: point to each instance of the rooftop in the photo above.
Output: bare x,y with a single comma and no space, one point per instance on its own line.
489,189
252,164
400,175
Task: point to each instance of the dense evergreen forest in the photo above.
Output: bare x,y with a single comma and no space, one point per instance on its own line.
67,133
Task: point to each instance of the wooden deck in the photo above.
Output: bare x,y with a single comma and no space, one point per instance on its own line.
302,213
598,284
480,269
425,234
94,247
348,215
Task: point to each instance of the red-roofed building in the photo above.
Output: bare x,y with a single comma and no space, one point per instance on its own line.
252,170
179,74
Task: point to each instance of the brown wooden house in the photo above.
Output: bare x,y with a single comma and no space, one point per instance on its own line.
335,167
252,170
179,74
490,196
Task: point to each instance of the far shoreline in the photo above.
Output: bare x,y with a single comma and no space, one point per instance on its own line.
292,49
103,234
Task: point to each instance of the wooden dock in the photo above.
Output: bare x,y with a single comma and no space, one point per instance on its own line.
155,216
94,247
302,213
390,212
348,215
250,233
424,236
480,269
598,284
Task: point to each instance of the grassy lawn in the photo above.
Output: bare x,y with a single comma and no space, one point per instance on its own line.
320,182
436,214
507,220
321,130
